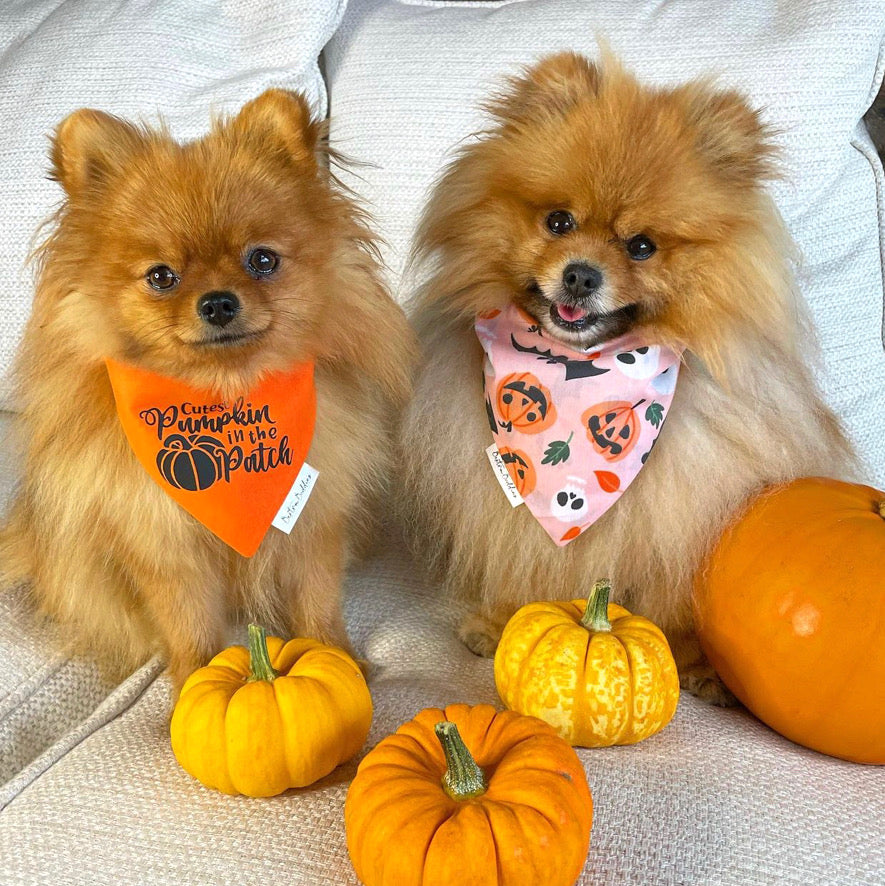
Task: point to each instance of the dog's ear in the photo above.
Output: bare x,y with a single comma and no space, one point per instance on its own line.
88,146
730,134
282,120
553,86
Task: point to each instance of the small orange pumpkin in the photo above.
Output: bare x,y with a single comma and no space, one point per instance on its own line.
520,468
597,674
275,716
790,611
612,428
469,795
525,403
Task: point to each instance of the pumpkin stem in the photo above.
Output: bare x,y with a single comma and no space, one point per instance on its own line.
882,508
260,667
595,617
463,778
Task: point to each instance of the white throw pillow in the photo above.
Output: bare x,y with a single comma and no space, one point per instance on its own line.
405,81
180,59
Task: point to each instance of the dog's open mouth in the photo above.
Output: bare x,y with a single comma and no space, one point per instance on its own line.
578,319
571,317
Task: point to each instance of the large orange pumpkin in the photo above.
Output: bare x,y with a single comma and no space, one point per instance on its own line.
791,613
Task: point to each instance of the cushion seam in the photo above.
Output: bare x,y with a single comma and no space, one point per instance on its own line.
119,701
27,689
878,175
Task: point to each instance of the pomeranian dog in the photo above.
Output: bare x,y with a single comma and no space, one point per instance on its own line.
212,266
606,241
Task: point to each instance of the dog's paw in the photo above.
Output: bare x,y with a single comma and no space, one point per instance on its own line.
704,683
480,635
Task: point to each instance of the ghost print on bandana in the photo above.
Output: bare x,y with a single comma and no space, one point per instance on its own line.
573,428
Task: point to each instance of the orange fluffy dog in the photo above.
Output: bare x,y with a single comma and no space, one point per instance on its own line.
602,208
216,264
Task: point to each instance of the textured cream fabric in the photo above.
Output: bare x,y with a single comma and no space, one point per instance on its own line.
179,59
405,81
716,798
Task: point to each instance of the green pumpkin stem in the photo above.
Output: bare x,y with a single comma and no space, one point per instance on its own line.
260,667
463,778
595,617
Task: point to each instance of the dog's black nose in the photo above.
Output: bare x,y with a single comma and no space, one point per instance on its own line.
218,308
580,279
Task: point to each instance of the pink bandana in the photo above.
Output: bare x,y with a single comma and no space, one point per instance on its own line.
573,428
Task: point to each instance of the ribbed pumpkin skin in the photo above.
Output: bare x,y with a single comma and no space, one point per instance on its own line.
595,688
791,614
530,828
261,738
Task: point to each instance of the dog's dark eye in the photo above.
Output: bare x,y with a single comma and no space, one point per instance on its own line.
162,278
262,261
639,248
561,222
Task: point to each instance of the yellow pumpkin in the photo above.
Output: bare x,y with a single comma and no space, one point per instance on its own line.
277,715
472,796
597,674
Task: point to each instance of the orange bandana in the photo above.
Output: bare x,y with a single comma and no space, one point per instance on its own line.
230,465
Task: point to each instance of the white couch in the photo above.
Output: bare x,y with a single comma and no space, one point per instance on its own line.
89,790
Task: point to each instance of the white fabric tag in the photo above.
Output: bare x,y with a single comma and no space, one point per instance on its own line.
503,476
288,514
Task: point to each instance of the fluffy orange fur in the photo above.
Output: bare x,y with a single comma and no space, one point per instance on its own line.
686,168
124,569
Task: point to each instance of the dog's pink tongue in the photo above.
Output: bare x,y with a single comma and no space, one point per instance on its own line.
571,314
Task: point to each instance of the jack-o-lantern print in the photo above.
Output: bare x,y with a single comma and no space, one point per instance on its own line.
524,404
520,468
189,462
612,428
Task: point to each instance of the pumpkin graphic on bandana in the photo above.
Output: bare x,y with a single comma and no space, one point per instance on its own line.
189,462
612,428
520,468
524,404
